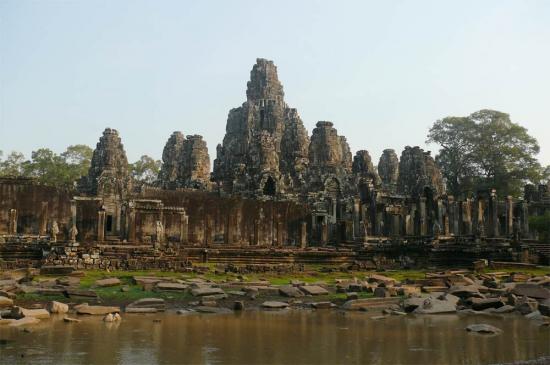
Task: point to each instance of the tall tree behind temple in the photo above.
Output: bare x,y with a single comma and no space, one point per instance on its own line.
12,165
485,150
145,170
49,168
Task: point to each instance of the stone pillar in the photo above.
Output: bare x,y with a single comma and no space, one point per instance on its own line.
256,232
303,235
184,228
43,225
101,226
207,231
395,224
131,225
12,221
524,211
324,233
357,219
453,217
423,218
409,225
509,216
280,239
228,231
73,213
493,214
480,224
467,217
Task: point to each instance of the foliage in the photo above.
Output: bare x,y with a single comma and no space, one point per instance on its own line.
485,150
145,170
12,165
48,167
541,224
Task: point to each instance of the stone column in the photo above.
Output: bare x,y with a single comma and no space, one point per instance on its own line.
303,235
228,231
509,216
184,228
423,218
280,239
256,232
524,211
480,224
409,226
324,233
132,225
357,219
467,217
12,221
395,224
73,213
101,226
207,231
43,226
493,214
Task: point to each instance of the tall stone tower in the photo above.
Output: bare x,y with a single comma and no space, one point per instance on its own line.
185,163
264,151
108,174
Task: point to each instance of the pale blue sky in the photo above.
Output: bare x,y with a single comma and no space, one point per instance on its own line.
382,71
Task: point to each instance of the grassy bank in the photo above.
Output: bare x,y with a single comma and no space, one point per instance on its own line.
312,274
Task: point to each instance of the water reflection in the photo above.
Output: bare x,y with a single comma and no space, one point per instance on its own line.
308,337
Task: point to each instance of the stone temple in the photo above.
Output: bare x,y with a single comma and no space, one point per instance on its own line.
275,192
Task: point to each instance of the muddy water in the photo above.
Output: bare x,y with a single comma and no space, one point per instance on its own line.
292,337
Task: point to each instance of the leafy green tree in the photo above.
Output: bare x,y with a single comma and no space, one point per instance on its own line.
77,159
456,156
145,170
48,167
486,150
13,165
541,224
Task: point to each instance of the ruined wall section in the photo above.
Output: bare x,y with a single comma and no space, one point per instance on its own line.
37,207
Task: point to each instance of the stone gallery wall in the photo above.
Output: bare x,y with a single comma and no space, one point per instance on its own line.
33,208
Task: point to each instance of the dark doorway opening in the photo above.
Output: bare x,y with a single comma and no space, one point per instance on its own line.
270,187
109,223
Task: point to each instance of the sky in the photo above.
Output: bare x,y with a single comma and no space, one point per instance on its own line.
382,71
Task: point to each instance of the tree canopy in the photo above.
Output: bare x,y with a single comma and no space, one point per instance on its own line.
145,170
485,150
48,167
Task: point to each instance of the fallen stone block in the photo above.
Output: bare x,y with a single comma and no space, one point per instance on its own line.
290,291
96,309
206,290
313,290
57,307
25,321
483,329
108,282
274,305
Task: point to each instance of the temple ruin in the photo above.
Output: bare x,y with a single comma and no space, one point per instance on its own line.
275,193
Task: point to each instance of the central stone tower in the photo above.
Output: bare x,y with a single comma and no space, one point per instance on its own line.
265,148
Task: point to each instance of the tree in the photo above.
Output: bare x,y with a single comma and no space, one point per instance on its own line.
541,224
13,165
485,150
455,158
49,168
77,159
145,170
